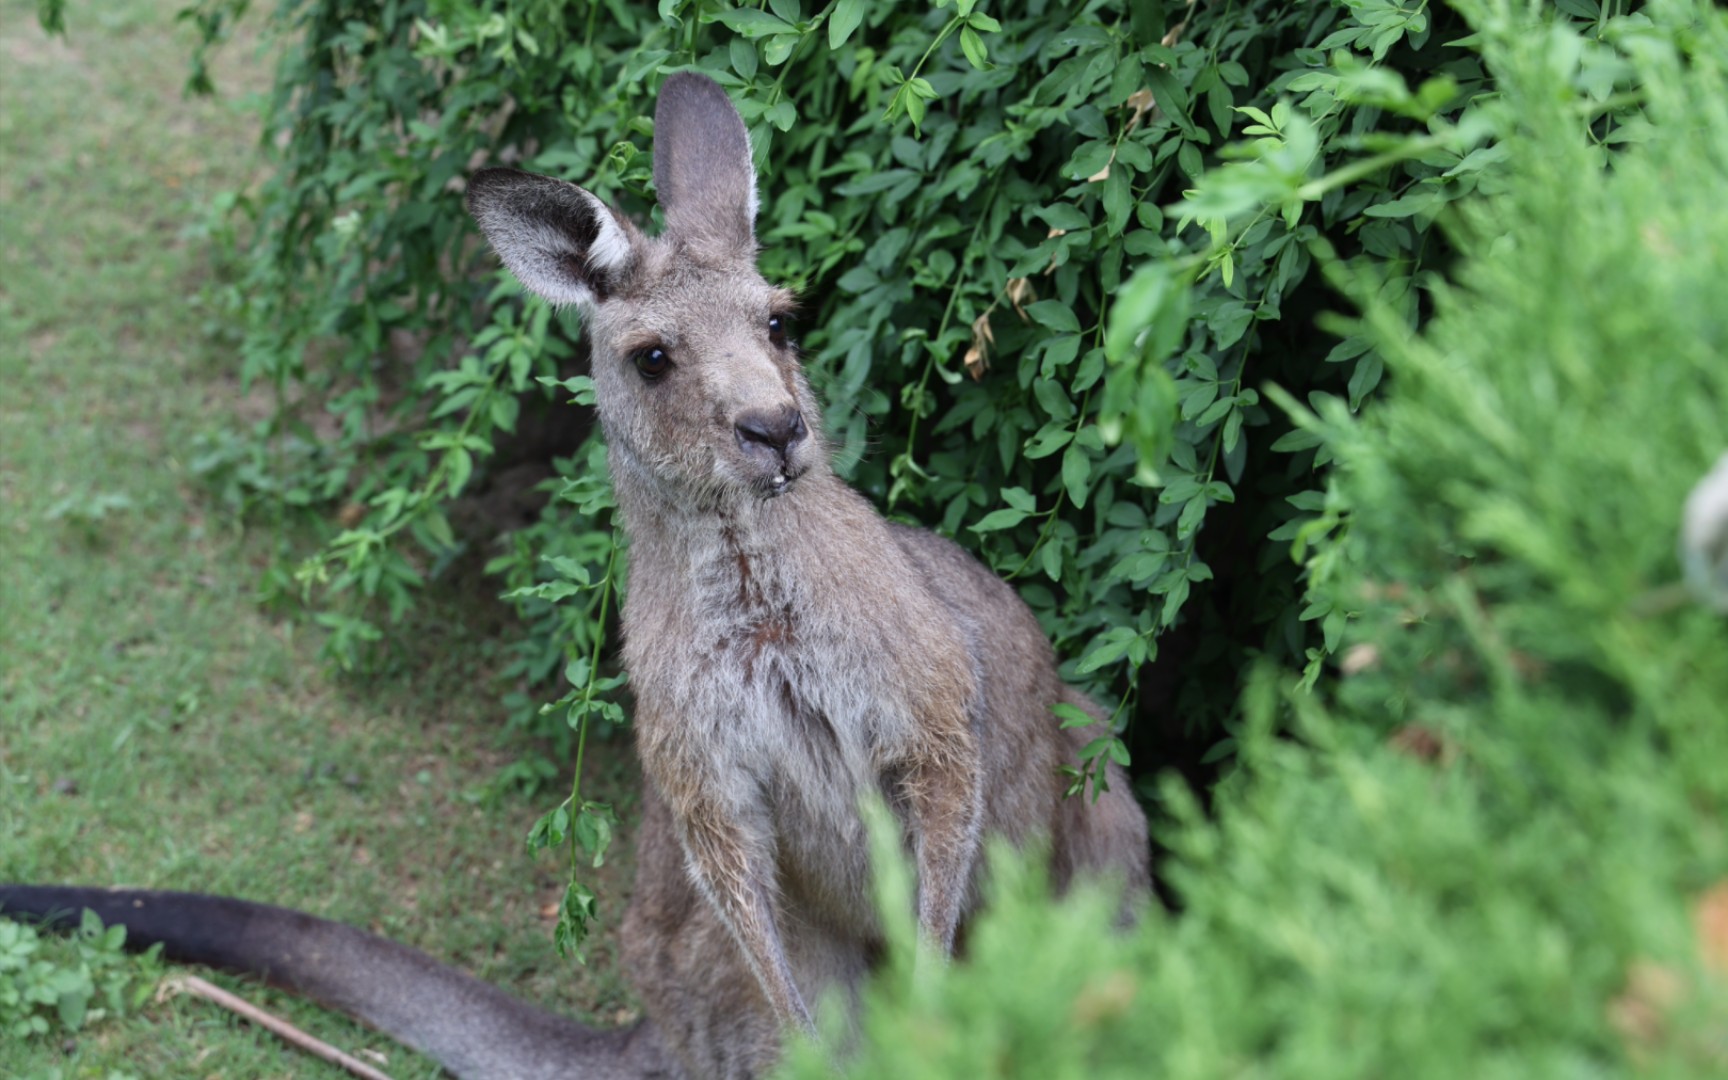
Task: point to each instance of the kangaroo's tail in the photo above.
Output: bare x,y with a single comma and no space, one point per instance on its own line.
469,1027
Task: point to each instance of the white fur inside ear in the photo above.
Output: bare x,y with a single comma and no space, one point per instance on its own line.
564,254
610,251
541,257
755,201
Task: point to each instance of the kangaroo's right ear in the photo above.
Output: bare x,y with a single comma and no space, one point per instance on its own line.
560,241
702,166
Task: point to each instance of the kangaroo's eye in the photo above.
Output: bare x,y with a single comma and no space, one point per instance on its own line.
776,329
653,363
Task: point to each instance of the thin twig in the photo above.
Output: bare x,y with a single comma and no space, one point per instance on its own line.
192,984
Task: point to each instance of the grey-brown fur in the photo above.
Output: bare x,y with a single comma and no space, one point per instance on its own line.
790,653
788,649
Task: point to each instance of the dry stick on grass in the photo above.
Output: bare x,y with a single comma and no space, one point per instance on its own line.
192,984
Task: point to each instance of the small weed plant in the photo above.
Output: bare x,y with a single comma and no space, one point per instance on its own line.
50,985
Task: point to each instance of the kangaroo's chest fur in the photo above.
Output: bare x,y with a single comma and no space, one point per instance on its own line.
784,681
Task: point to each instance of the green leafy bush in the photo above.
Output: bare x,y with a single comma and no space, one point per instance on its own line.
962,197
67,983
1027,336
1482,852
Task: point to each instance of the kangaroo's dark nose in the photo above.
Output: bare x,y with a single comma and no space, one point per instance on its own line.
772,429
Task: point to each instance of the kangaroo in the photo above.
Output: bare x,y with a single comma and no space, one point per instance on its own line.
790,653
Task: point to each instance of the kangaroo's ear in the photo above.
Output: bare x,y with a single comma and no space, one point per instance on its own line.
702,165
560,241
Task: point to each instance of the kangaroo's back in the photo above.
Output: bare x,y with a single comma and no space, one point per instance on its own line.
1024,746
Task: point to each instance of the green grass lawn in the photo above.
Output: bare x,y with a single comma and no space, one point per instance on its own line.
157,727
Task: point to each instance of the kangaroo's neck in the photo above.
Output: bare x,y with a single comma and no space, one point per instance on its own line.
695,567
679,531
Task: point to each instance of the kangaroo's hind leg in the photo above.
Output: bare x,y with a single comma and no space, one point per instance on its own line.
687,967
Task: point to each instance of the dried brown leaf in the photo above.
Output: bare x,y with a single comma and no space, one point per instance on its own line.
1424,744
981,332
1142,103
1358,658
1640,1012
977,359
976,363
1710,916
1103,999
1053,234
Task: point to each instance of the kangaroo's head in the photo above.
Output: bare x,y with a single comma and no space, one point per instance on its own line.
699,390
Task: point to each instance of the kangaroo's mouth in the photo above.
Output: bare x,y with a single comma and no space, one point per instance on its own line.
778,483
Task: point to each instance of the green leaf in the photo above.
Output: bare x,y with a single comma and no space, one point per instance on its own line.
593,827
973,46
1053,399
1059,352
1153,299
1188,159
568,567
778,48
1420,202
754,24
1198,398
847,16
1072,716
1215,412
782,114
1118,199
1050,438
1050,559
1088,159
743,56
1065,216
1005,518
1054,314
460,464
576,672
1076,474
1232,431
1107,648
1292,441
1133,155
74,999
1171,98
915,108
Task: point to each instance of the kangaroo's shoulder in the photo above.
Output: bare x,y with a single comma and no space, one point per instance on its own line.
962,582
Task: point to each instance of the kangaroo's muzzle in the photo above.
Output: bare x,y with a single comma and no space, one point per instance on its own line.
769,440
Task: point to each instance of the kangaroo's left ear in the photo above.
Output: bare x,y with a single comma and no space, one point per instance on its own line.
702,166
560,241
